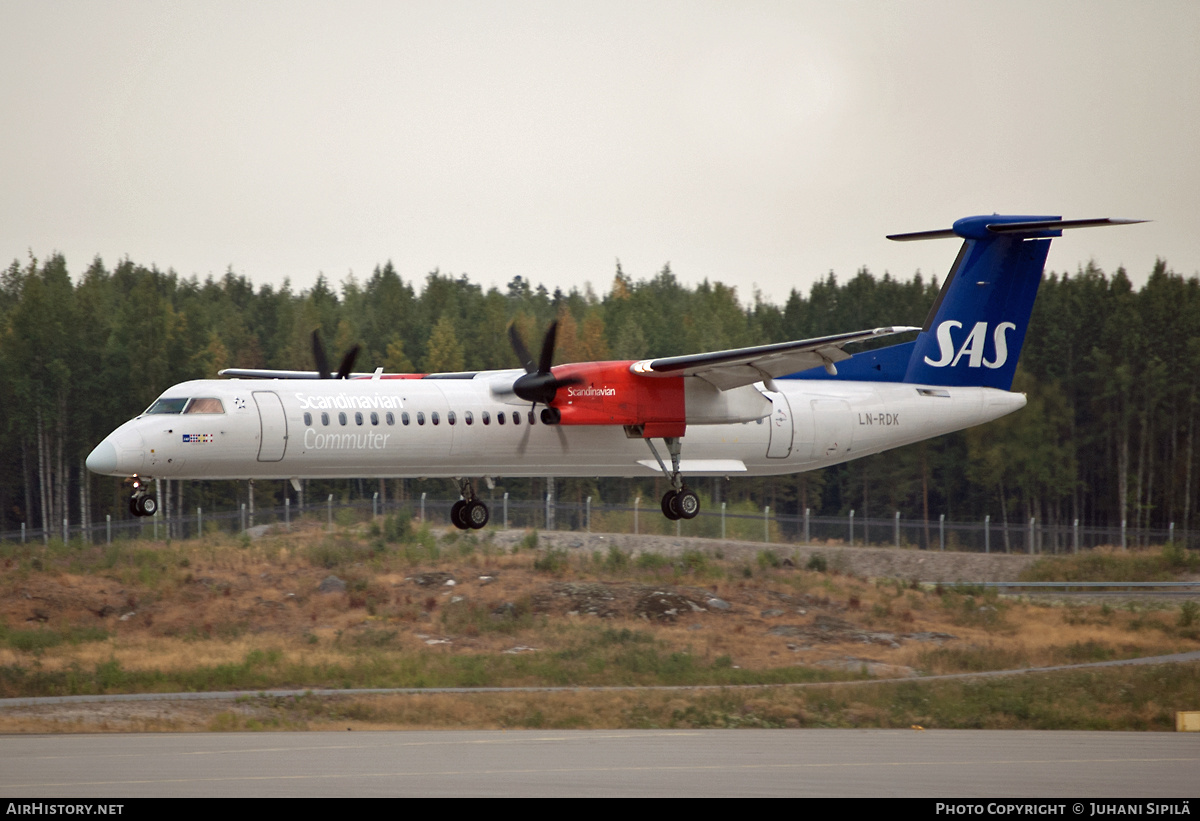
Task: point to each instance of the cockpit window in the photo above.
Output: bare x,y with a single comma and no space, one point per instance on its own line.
206,405
166,405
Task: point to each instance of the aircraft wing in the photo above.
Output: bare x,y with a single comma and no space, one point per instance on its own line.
726,370
250,373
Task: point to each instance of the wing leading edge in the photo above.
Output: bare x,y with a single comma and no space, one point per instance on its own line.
726,370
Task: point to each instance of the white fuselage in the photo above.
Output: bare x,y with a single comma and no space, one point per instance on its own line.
302,428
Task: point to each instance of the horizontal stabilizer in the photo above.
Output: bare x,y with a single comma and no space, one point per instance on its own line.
970,228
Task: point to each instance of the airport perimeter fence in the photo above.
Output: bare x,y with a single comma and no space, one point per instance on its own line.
644,516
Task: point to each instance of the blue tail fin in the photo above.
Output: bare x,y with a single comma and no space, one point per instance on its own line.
974,332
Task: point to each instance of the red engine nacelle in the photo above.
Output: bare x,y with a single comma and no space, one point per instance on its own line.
610,395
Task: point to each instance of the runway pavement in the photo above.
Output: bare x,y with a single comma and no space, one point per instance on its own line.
895,763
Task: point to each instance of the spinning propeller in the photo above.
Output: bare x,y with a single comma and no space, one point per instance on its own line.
323,362
538,384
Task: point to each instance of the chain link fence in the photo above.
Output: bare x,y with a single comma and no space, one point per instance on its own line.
643,516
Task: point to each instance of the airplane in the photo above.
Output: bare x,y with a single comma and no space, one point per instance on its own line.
764,410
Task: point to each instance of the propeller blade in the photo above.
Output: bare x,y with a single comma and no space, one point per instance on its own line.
514,336
348,363
319,355
548,348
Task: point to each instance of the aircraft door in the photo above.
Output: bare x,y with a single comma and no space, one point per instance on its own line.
272,441
781,426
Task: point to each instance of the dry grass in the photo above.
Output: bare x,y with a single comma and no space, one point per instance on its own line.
227,614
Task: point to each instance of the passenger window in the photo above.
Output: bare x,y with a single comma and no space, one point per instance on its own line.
420,417
451,418
531,417
487,418
374,418
516,418
207,405
342,418
307,419
390,418
324,419
358,419
404,417
435,418
500,418
467,417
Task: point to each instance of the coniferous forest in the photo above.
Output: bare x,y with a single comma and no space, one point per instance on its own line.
1109,434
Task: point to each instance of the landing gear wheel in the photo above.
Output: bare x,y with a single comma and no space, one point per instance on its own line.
476,514
143,505
669,505
457,514
687,504
133,506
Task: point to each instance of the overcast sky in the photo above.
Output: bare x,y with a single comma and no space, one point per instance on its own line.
761,144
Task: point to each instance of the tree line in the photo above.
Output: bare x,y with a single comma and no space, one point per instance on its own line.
1112,374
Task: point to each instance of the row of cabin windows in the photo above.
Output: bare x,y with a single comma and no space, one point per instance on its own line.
435,418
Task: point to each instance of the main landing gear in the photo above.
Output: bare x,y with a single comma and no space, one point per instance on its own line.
679,502
468,513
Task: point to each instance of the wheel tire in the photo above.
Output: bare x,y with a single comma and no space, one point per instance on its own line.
148,505
456,514
476,515
133,506
687,504
668,505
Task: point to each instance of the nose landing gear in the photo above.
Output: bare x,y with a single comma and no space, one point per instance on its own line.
143,504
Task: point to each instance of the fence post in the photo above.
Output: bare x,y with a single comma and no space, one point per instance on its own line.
329,512
287,514
722,521
942,531
852,527
505,508
251,497
155,517
199,521
897,528
549,518
807,537
66,532
766,523
987,534
22,533
1032,544
637,500
108,528
243,512
1171,533
1075,536
1123,543
375,505
588,515
423,508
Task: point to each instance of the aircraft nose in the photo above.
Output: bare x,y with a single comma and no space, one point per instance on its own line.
122,453
103,458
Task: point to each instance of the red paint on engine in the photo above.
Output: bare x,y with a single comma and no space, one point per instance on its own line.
610,395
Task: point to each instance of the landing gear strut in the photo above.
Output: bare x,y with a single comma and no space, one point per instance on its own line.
679,502
468,513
